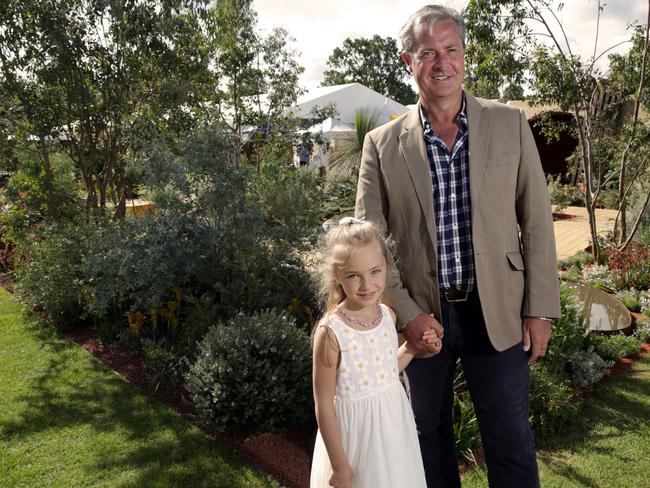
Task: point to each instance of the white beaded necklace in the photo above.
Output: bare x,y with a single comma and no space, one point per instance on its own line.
363,323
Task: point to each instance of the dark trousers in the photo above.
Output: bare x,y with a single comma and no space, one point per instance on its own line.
498,384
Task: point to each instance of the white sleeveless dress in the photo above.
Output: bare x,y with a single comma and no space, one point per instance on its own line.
374,415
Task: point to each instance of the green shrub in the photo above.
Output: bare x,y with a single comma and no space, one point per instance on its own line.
588,368
50,273
340,197
630,298
569,331
614,347
289,199
553,402
466,431
253,374
579,259
562,195
572,274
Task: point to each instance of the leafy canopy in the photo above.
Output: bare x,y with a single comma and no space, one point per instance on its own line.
374,62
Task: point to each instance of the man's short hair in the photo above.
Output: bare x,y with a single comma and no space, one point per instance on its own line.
427,17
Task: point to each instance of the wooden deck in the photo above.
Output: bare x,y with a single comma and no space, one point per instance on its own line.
573,235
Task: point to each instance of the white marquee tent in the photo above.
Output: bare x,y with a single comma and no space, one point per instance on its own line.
348,99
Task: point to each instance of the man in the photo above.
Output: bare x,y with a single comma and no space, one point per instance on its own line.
459,186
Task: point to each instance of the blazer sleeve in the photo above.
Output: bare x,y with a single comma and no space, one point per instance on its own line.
535,218
373,204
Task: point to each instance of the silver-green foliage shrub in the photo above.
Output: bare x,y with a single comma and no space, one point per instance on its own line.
253,373
588,368
50,274
553,401
600,277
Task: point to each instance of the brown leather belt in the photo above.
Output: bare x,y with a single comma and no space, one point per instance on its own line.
453,295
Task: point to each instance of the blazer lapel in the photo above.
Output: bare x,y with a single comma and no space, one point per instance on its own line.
479,134
415,157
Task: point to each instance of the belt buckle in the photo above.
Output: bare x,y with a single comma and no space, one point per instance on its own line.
454,295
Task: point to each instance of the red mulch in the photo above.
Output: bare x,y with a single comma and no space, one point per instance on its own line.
563,216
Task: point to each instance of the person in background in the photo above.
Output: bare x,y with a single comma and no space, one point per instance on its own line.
303,154
458,184
322,160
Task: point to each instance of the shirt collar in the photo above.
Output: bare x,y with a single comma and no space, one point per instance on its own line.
461,117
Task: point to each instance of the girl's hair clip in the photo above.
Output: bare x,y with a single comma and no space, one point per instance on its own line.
351,221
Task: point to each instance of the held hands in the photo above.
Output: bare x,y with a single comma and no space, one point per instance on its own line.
536,334
423,334
433,342
430,339
341,477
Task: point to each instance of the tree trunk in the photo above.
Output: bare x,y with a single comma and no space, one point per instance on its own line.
52,206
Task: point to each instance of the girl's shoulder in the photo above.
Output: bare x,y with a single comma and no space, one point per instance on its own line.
389,312
328,325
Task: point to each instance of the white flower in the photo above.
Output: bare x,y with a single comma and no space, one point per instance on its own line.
376,359
381,376
347,388
354,347
360,365
365,384
385,335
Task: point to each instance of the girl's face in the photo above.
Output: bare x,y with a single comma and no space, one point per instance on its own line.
363,277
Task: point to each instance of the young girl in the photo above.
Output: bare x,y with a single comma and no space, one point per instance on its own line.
367,436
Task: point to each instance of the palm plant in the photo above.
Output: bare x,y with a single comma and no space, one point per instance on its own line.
346,157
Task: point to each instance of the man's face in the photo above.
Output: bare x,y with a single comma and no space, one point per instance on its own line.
438,63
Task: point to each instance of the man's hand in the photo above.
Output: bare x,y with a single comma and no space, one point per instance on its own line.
536,333
414,331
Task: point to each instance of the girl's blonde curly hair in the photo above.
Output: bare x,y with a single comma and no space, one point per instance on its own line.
336,246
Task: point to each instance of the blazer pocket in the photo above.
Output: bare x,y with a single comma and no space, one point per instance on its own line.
516,260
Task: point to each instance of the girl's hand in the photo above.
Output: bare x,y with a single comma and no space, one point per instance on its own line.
341,477
433,342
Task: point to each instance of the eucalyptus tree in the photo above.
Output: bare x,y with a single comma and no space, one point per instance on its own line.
258,75
97,79
509,39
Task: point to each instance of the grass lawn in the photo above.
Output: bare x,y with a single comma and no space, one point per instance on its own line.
610,444
68,421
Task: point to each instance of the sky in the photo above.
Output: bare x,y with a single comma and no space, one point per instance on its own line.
322,25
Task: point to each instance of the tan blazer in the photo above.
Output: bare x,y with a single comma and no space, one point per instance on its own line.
516,273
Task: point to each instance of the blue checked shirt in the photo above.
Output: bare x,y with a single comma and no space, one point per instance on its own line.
452,203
